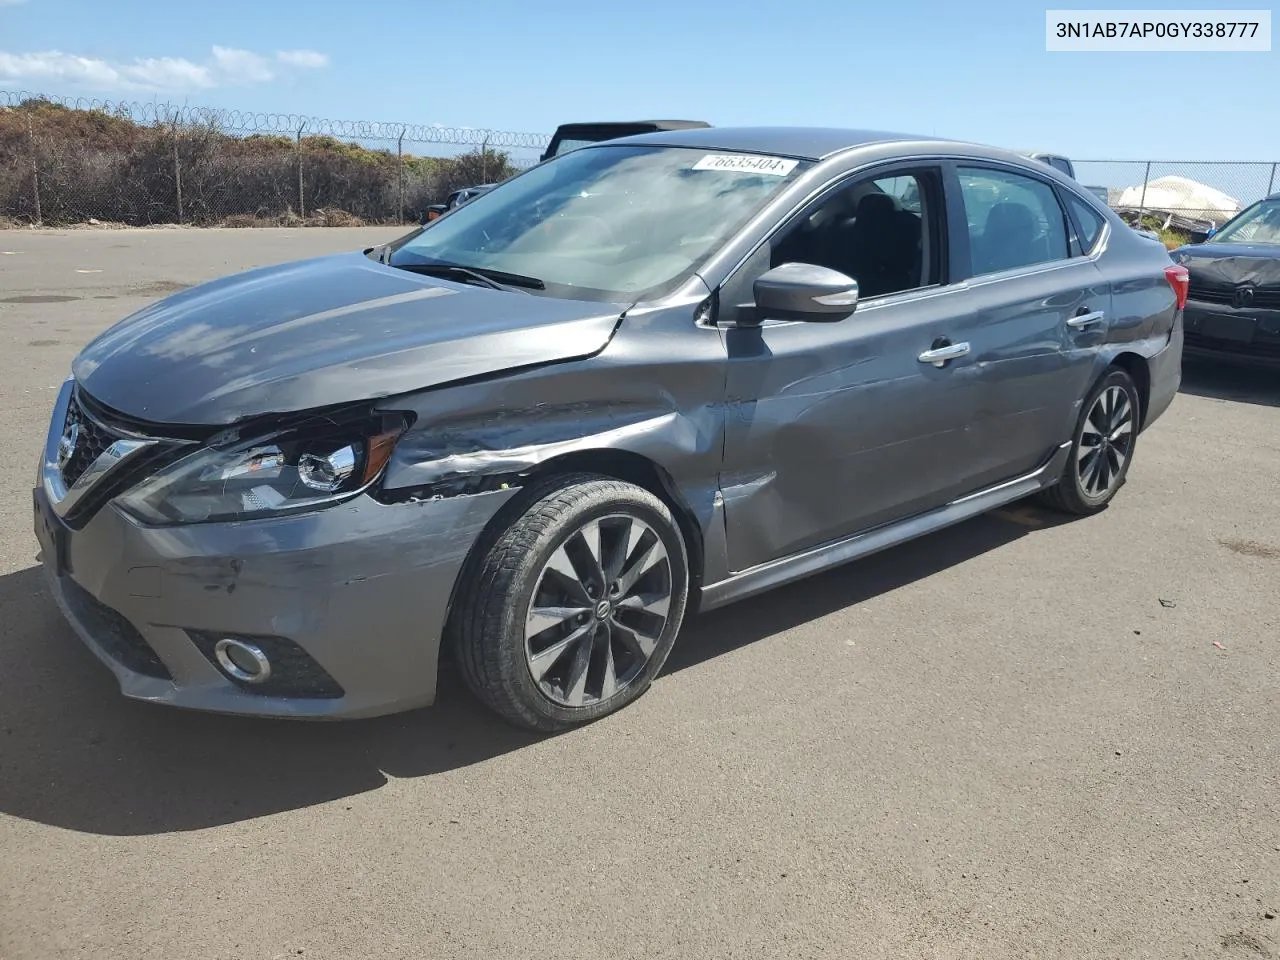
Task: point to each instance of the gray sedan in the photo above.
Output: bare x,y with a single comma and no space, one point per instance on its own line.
649,376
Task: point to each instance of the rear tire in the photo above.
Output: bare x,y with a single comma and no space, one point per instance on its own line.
574,605
1102,448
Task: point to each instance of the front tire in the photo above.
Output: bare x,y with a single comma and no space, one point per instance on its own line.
575,605
1102,448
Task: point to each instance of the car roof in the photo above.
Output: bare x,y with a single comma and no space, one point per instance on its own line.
803,143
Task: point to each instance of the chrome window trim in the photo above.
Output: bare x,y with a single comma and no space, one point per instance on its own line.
1014,273
936,289
940,159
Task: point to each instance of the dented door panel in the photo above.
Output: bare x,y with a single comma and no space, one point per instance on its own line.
838,427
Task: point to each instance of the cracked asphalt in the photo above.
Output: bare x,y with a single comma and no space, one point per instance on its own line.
1021,737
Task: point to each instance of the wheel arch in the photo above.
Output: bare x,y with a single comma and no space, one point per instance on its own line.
622,465
1136,366
647,474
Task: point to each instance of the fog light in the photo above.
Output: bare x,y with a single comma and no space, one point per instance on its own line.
242,660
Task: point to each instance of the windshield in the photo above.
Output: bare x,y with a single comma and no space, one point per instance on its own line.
1259,224
621,223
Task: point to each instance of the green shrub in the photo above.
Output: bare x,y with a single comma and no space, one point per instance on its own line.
91,164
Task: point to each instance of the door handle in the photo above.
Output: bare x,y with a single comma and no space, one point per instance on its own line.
1085,320
939,356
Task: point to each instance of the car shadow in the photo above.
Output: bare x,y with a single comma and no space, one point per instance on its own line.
1224,381
721,631
75,754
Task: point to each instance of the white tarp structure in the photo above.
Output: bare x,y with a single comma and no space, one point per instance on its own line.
1180,195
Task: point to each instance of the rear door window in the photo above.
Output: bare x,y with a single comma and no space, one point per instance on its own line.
1088,223
1014,220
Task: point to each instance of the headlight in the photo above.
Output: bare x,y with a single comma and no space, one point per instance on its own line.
293,470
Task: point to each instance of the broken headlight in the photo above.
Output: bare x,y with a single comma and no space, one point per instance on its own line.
294,470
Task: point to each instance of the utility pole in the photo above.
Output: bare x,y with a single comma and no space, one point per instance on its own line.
400,168
35,167
302,203
177,168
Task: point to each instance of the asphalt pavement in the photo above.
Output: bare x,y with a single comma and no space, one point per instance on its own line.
1021,737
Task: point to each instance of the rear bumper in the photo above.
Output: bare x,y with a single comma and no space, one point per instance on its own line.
1222,332
1165,369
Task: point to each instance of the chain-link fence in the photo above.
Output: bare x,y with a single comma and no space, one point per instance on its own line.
1187,197
68,161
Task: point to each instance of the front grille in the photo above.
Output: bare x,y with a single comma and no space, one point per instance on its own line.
97,429
1207,294
111,631
91,440
294,673
1264,298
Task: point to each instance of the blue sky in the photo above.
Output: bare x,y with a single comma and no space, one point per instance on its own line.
974,70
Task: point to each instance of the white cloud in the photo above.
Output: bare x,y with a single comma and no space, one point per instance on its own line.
225,66
242,66
306,59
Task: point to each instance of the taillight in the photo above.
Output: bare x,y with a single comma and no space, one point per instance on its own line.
1180,280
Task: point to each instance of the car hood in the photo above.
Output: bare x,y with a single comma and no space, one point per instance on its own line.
1231,263
318,332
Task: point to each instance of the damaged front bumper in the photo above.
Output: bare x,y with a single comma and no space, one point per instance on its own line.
348,604
1241,334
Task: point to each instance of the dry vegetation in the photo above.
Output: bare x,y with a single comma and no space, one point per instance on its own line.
88,164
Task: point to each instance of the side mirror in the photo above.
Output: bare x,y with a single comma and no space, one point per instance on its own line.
1208,235
804,291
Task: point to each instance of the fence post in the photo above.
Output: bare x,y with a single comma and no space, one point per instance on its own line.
35,168
400,168
1272,182
177,169
484,159
302,203
1142,204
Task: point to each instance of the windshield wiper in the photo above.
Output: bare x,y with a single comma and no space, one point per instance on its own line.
494,279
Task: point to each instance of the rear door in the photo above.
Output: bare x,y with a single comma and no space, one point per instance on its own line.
1043,308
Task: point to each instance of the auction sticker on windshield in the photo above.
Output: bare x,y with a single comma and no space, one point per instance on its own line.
746,163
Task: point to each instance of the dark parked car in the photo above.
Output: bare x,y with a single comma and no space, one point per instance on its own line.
1064,166
456,199
1233,308
645,377
571,136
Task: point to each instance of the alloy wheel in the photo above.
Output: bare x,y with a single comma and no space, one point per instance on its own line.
598,611
1106,442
